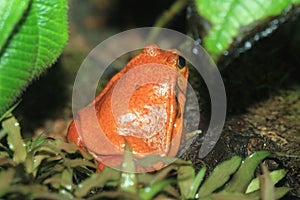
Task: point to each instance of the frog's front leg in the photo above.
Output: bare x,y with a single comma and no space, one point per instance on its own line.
73,135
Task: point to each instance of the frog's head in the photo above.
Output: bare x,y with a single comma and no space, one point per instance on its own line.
153,54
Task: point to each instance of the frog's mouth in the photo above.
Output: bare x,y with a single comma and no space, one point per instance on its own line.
184,72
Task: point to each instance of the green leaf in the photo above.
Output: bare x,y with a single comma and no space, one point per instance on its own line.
97,180
62,181
32,191
279,193
162,174
196,183
170,190
245,173
9,111
6,178
227,18
148,193
14,139
276,176
67,178
231,196
32,159
220,176
3,133
32,46
7,161
267,190
37,142
114,195
128,179
151,160
78,162
8,21
128,182
69,148
185,177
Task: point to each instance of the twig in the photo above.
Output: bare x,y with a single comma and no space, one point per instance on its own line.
167,16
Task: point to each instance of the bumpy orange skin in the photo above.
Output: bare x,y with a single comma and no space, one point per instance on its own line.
143,104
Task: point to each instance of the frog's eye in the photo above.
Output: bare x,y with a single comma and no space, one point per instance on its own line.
181,62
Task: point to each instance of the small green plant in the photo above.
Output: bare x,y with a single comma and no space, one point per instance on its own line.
232,179
37,168
44,168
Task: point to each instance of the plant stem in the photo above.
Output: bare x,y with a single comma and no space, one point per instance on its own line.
167,16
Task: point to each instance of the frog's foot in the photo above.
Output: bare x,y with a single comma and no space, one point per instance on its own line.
100,167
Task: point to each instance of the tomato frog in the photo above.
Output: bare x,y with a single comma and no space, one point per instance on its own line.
142,105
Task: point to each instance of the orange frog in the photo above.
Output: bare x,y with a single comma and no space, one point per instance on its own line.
143,104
